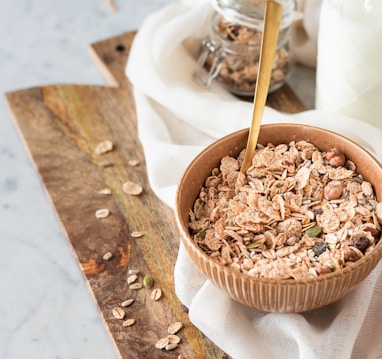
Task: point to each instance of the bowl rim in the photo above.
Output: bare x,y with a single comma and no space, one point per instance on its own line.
185,235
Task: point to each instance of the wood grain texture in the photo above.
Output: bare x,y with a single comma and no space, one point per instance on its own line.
61,125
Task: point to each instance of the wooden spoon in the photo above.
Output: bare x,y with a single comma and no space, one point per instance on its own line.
272,18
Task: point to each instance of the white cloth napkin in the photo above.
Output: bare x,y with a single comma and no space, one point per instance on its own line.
176,120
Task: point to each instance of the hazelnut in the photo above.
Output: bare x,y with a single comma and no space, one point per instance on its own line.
333,190
335,157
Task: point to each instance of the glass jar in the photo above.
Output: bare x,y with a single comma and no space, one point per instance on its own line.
230,55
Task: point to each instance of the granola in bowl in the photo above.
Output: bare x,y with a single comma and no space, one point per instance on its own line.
297,213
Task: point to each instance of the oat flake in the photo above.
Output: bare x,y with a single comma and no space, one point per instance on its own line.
132,188
103,147
102,213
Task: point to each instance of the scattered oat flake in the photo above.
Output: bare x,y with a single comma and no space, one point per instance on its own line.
107,256
173,339
133,163
133,271
174,328
105,191
102,213
131,278
136,286
103,147
137,234
118,313
127,303
132,188
171,346
156,294
128,322
107,164
161,343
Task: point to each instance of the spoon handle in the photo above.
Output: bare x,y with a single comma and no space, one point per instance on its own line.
273,12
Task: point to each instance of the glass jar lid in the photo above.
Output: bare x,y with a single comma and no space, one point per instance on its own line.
250,13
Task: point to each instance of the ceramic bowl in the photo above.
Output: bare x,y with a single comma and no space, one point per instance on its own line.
276,295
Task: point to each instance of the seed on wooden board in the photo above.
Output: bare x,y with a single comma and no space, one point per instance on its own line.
136,234
161,343
107,164
174,327
133,163
132,188
118,313
156,294
127,303
103,147
128,322
148,281
171,346
136,286
102,213
107,256
131,278
105,192
133,271
173,339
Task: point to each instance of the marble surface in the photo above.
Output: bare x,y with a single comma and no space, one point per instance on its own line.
46,310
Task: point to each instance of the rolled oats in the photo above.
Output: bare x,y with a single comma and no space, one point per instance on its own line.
103,147
132,188
297,212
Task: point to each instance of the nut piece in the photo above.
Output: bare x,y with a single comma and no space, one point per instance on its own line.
103,147
118,313
102,213
333,190
132,188
335,157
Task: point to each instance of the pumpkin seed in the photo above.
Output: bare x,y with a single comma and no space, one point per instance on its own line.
313,231
148,281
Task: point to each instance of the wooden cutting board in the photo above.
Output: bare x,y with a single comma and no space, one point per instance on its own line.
61,126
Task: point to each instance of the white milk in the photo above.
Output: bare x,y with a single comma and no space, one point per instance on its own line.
349,62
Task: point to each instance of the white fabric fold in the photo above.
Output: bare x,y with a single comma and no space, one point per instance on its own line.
176,120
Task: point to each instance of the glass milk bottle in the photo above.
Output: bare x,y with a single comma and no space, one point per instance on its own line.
349,61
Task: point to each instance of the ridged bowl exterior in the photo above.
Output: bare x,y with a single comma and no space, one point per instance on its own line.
288,295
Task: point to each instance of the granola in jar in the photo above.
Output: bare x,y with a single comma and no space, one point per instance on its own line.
230,55
298,212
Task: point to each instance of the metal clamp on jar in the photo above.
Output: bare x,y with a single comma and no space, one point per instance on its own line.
230,55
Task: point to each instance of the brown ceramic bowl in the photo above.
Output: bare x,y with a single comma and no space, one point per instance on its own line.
283,295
